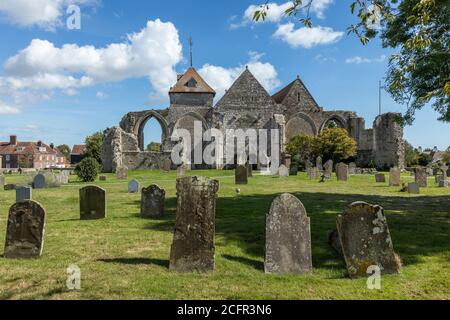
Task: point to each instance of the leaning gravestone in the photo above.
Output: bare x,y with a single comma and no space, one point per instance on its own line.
25,231
133,186
240,175
39,181
293,171
193,242
342,172
23,194
122,173
283,171
394,177
288,237
413,188
421,177
167,165
380,178
92,203
152,201
328,169
365,239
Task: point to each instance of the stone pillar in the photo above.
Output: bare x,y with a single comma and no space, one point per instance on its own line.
389,148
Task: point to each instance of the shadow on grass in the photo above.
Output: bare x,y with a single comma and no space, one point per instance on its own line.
137,261
258,265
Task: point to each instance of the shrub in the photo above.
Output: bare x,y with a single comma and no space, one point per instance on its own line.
87,170
335,144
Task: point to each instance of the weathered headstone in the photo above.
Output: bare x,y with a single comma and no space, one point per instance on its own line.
421,177
319,165
133,186
394,177
2,180
193,245
342,172
414,188
92,203
152,201
102,178
287,160
313,173
365,239
249,170
63,177
288,237
352,168
380,178
25,231
181,171
283,171
444,169
293,171
328,169
167,165
122,173
240,175
24,193
9,187
39,181
442,182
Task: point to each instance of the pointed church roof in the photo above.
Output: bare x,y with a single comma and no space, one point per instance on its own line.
191,82
296,94
246,92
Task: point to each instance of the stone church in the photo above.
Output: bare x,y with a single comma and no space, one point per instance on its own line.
292,110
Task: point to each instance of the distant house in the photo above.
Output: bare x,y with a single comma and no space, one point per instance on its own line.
38,155
77,153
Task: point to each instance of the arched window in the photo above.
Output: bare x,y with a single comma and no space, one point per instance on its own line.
152,135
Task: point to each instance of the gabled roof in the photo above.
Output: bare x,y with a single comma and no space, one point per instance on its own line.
78,149
289,96
29,148
246,92
191,82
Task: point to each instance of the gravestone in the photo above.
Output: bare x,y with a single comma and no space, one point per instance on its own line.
152,201
193,245
181,171
380,178
63,177
443,168
328,169
394,177
288,237
240,175
133,186
413,188
366,241
122,173
9,187
319,165
25,230
442,182
352,168
167,165
2,180
293,171
39,181
102,178
421,177
287,160
24,193
283,171
249,170
342,172
92,203
313,173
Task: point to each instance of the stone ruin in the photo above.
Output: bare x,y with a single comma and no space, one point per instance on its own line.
292,111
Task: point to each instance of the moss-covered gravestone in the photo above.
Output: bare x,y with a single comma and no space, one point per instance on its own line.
241,175
152,201
92,203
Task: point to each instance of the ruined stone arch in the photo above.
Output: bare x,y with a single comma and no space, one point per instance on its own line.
341,122
194,115
300,123
142,121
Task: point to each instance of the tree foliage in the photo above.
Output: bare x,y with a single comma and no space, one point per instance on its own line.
418,30
94,146
88,169
411,155
154,147
65,150
301,147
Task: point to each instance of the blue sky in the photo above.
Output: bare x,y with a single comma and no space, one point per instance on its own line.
60,85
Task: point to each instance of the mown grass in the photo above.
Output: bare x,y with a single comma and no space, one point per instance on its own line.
126,257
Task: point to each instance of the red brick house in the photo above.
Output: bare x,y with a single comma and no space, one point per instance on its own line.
77,153
38,155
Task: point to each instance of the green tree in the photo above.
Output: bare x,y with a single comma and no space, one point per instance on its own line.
411,155
301,148
87,170
154,147
425,159
335,144
418,30
94,146
446,158
65,150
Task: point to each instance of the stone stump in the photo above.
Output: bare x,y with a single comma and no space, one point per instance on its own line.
25,230
193,245
421,177
152,201
92,203
39,181
394,177
366,241
133,186
380,178
288,237
122,173
240,175
24,193
413,188
283,171
342,172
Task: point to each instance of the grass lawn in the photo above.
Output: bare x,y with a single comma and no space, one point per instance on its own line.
126,257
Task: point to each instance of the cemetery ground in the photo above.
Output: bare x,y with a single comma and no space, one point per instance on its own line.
126,257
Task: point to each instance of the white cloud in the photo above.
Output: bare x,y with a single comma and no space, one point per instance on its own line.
360,60
323,59
42,67
221,78
101,95
306,37
6,109
46,14
320,6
